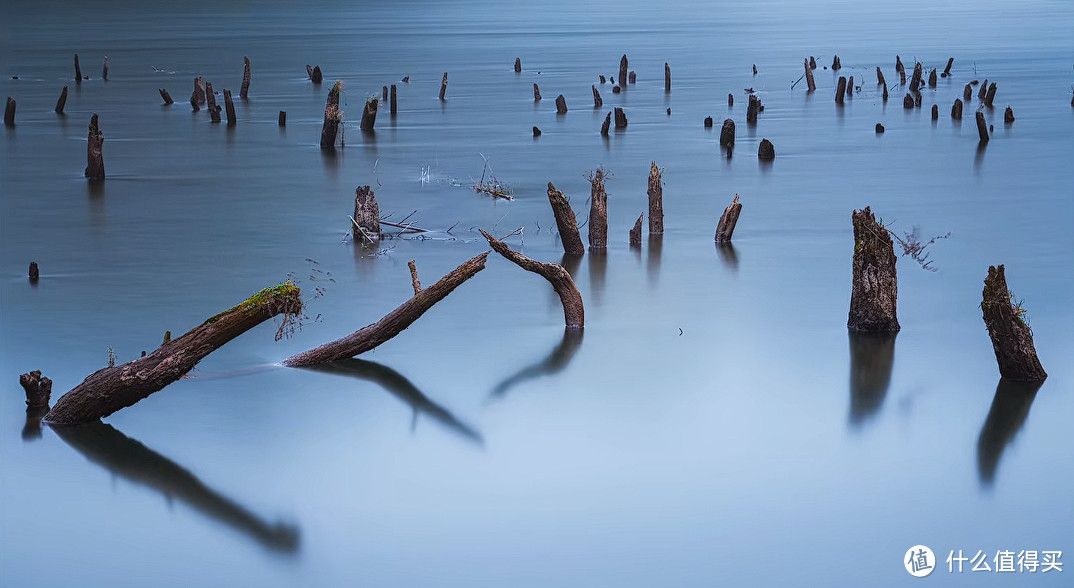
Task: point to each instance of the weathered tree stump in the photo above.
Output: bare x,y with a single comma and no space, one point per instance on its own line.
1008,115
850,87
104,71
726,227
655,191
598,211
632,77
967,93
812,62
332,117
166,96
94,155
561,104
565,222
984,90
836,65
107,390
635,233
622,70
620,118
229,109
597,101
536,132
753,108
708,122
34,272
365,227
902,77
667,77
947,70
518,65
885,94
990,95
956,109
316,76
727,133
199,91
391,324
1012,339
9,112
38,389
879,128
78,71
369,115
755,69
443,86
244,90
384,94
393,104
932,78
935,112
766,150
62,101
898,64
874,293
560,278
730,100
616,89
536,92
880,77
908,102
982,127
281,120
602,78
811,84
210,99
918,78
840,90
606,125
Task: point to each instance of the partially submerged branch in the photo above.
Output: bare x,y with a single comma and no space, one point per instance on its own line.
573,311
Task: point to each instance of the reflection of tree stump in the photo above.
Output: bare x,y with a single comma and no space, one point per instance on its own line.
872,356
94,154
598,212
557,275
1012,339
367,215
874,291
565,221
1010,407
728,220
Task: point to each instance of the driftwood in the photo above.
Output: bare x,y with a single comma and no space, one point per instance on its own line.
766,150
728,219
9,112
727,133
94,154
667,77
811,84
620,118
874,293
635,233
369,115
623,70
210,99
78,71
244,91
62,101
598,212
166,96
536,93
518,65
107,390
565,221
393,104
561,104
573,310
840,89
982,127
229,108
554,363
366,220
597,100
655,191
443,86
332,117
393,323
956,109
1012,339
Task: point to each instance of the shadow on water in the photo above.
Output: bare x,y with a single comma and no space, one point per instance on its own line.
103,445
872,356
32,429
598,268
404,390
555,362
1010,407
571,263
978,157
331,159
726,253
652,259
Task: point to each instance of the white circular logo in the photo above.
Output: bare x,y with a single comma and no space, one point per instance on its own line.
919,561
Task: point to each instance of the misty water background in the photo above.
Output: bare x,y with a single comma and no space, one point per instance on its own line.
708,427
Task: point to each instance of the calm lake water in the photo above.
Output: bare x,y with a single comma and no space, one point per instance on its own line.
714,425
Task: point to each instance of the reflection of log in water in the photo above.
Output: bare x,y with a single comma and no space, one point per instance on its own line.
652,259
403,389
127,458
1010,407
872,355
726,253
598,267
553,364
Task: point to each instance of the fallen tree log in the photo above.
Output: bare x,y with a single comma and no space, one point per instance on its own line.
393,323
560,278
107,390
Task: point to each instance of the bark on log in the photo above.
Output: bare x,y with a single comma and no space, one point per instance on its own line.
840,90
518,65
573,310
956,109
536,93
107,390
62,101
811,84
393,323
947,70
597,100
766,150
366,226
78,71
655,191
369,115
9,112
880,77
94,154
393,103
620,118
565,221
990,95
443,86
874,293
1012,339
728,220
727,133
1008,115
332,117
166,96
635,233
623,70
38,389
667,77
982,127
244,91
598,212
606,125
229,108
561,104
210,103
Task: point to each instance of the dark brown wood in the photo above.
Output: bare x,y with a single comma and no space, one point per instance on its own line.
730,100
391,324
667,77
620,118
932,78
602,79
565,221
811,84
561,104
166,96
606,125
598,211
332,117
393,104
518,65
316,76
898,64
753,108
78,71
766,150
616,89
632,77
199,91
365,227
655,191
918,78
281,120
880,77
984,90
1008,115
369,115
597,100
62,101
104,71
1012,339
536,131
384,94
443,86
210,100
414,281
990,95
874,293
956,109
967,93
850,87
38,389
836,65
727,133
879,128
34,272
982,127
812,62
229,108
726,227
947,70
708,122
840,90
635,233
244,90
9,112
755,69
935,112
94,154
536,92
908,102
622,70
107,390
560,278
885,95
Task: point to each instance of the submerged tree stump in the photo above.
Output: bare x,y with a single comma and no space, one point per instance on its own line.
34,272
850,87
635,232
244,91
443,86
565,221
598,211
536,92
766,150
332,117
366,226
879,128
836,64
78,71
623,70
917,80
935,111
229,108
727,133
880,77
210,98
94,155
656,200
982,127
369,115
947,70
956,109
811,84
536,131
107,390
908,102
393,104
726,227
315,75
597,100
518,65
606,125
932,78
391,324
1012,339
104,71
561,104
667,77
730,100
560,278
281,119
812,62
166,97
874,293
62,101
1008,115
967,93
199,91
38,389
632,77
620,118
840,90
753,109
990,95
384,93
9,112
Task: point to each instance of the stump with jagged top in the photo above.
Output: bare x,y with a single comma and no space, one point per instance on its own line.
598,212
1012,339
366,226
874,293
565,222
94,154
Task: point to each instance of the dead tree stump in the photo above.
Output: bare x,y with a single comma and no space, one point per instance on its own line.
1012,339
597,101
62,101
1008,115
956,109
616,89
536,132
766,150
984,90
655,191
932,78
393,104
443,86
635,233
166,97
34,272
316,76
840,90
879,128
874,293
229,109
667,77
332,117
366,222
982,127
917,80
9,112
384,94
811,84
561,104
967,93
990,95
812,62
708,122
565,221
94,155
880,77
78,71
602,78
369,115
199,91
104,71
754,107
727,133
850,87
730,100
281,120
560,278
244,91
210,99
947,70
598,212
536,92
38,389
632,77
908,102
622,70
935,112
518,65
728,220
836,65
620,118
606,125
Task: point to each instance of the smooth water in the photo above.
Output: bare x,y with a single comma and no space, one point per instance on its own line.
714,424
